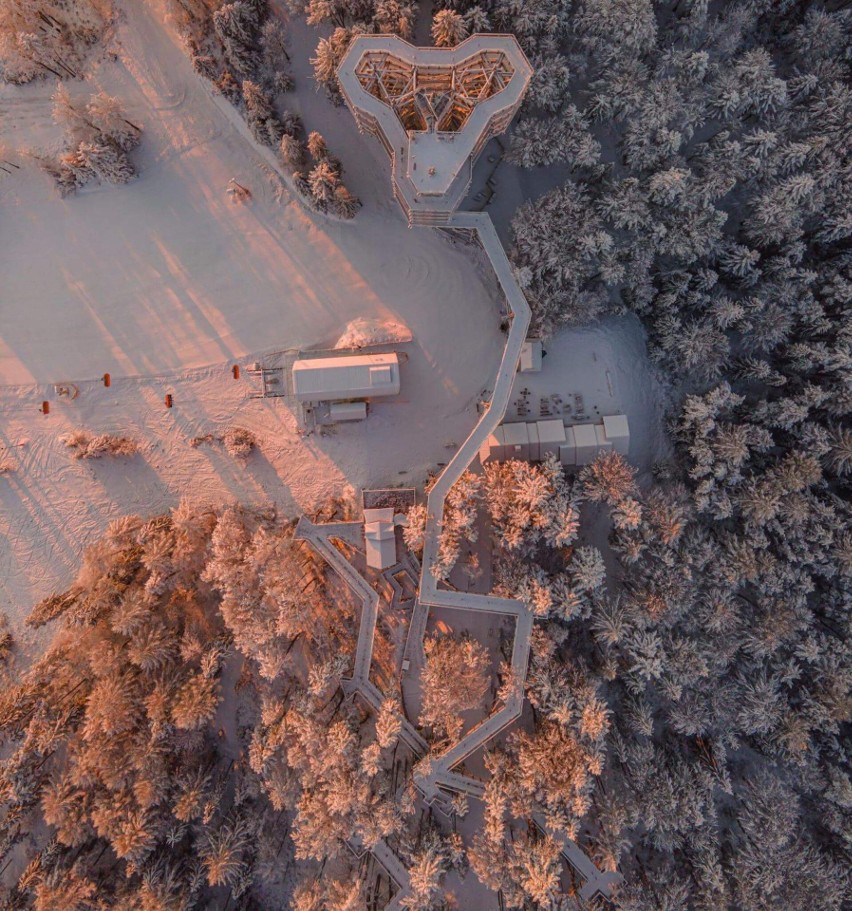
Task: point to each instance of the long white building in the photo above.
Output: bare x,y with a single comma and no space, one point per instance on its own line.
331,379
433,109
576,444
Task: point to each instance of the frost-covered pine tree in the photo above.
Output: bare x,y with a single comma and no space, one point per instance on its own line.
323,181
236,25
292,152
345,204
107,116
106,161
449,28
394,17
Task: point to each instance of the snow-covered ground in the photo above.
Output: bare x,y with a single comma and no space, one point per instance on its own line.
166,282
152,281
607,366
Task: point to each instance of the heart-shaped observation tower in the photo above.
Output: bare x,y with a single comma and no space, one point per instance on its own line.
433,109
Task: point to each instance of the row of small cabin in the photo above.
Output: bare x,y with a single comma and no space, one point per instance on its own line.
577,444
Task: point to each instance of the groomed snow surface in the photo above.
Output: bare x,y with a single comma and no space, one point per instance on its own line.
167,282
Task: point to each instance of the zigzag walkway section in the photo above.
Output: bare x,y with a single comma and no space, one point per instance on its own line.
430,592
438,776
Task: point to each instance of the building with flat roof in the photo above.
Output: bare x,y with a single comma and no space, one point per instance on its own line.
618,432
339,412
532,353
533,441
433,109
362,376
380,538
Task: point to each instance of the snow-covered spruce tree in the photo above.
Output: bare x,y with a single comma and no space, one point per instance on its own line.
43,38
323,180
455,678
292,152
237,26
345,203
329,52
98,139
459,523
414,530
276,58
327,190
394,17
106,115
449,28
175,653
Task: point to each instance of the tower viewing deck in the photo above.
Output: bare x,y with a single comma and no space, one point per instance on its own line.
433,109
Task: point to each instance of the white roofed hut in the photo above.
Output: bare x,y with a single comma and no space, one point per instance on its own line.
329,379
617,432
532,353
551,437
380,538
347,411
586,441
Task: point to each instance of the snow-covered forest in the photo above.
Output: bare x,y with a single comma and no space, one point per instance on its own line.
186,742
706,150
188,718
703,153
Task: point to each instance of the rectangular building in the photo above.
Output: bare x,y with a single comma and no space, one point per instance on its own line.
348,411
586,441
576,445
380,538
531,356
362,376
551,437
568,451
617,432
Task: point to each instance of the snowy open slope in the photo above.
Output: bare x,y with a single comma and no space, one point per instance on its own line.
165,282
167,275
168,272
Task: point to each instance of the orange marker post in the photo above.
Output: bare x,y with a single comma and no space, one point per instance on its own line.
236,371
45,407
168,400
107,379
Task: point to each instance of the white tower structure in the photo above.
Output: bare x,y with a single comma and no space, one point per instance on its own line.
433,109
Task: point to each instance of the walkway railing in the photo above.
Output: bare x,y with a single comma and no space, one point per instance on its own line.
439,777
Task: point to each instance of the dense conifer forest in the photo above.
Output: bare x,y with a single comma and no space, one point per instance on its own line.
690,688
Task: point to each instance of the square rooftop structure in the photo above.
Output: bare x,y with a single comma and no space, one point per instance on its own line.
551,437
617,432
363,376
586,441
433,109
532,353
